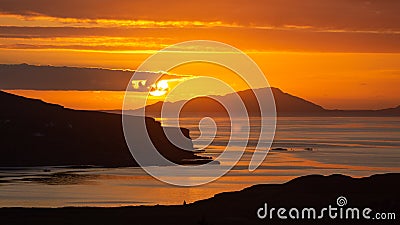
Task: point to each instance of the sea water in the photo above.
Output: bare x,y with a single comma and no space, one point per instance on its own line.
311,145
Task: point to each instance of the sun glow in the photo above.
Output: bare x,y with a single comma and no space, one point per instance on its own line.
160,88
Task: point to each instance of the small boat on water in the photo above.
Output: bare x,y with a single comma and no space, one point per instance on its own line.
200,161
279,149
292,149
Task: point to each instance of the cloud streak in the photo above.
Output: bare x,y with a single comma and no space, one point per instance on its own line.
248,39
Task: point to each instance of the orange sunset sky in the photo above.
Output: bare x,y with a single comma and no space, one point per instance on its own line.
338,54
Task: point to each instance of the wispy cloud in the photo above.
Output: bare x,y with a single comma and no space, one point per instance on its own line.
341,14
48,21
259,39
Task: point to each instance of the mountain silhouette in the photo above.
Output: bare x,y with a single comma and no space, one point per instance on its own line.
35,133
286,105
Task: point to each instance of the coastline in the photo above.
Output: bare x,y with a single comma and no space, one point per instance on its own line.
378,192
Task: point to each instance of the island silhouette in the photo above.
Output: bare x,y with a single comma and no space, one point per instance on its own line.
286,105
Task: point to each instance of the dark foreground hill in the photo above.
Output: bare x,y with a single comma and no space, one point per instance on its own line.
378,192
35,133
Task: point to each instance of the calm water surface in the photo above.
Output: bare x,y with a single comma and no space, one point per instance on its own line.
352,146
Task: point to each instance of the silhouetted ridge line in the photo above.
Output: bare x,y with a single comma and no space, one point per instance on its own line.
286,105
377,192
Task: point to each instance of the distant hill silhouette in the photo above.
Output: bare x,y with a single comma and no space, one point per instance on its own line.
35,133
286,105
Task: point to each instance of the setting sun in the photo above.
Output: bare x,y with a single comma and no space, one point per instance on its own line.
160,88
